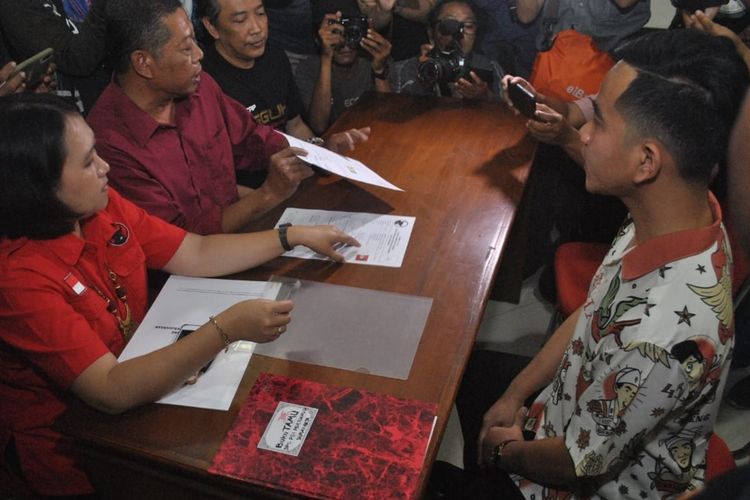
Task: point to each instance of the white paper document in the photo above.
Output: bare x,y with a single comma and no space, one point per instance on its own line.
384,238
186,302
339,164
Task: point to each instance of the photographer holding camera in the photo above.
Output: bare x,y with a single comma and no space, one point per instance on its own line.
448,66
333,82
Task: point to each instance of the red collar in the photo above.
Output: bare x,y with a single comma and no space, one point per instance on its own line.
660,251
140,124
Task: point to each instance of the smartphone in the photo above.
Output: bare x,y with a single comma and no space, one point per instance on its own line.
186,330
35,67
523,100
693,5
483,74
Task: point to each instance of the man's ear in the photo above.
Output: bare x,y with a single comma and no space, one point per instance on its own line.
210,28
651,156
142,63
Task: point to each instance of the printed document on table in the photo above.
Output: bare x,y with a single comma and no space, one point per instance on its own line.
188,302
339,164
384,238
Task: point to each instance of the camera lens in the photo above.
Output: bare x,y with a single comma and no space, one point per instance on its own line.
353,34
430,72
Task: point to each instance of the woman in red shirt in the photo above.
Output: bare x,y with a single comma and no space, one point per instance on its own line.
73,259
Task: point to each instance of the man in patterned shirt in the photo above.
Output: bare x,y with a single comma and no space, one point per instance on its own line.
631,382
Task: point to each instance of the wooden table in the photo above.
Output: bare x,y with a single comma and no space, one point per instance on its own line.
463,167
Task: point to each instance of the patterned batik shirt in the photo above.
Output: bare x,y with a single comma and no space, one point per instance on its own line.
638,388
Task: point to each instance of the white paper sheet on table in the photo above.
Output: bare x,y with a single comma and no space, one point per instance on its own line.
190,301
384,238
339,164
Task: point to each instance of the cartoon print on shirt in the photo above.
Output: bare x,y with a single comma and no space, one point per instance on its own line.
719,295
605,320
558,383
668,480
583,439
697,355
620,389
621,438
628,454
591,465
649,351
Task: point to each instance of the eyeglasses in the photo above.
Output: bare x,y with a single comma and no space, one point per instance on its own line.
470,27
467,27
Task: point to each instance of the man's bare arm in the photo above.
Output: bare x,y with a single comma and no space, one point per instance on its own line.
285,172
537,374
379,11
420,13
543,461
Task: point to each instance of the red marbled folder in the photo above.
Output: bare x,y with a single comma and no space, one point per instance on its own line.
360,445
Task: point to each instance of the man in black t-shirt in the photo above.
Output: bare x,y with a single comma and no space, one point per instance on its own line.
266,89
247,68
256,74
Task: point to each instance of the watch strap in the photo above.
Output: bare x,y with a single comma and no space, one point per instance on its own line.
283,236
497,453
383,75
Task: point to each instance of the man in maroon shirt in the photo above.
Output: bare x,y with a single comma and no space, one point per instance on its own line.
173,139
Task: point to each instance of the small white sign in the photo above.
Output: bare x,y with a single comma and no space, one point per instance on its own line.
288,428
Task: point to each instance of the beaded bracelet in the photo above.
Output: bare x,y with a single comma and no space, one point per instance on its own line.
224,336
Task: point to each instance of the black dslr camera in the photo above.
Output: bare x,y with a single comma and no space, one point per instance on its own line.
355,29
446,65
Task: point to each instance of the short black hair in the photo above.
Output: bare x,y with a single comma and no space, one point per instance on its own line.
432,17
209,9
32,155
709,62
682,116
136,25
685,349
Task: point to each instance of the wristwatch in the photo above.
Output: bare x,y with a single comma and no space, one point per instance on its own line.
282,236
497,453
383,75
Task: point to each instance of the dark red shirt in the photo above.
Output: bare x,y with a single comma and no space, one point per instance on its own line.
183,173
54,325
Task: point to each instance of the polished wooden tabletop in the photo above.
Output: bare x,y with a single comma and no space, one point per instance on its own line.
463,167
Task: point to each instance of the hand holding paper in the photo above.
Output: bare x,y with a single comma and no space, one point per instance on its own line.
324,240
285,172
381,240
190,301
338,164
